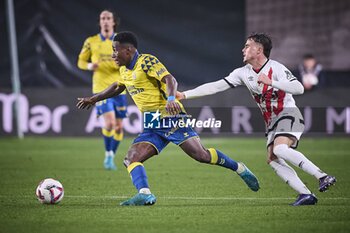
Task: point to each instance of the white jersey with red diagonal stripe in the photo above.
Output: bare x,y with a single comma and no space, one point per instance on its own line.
270,100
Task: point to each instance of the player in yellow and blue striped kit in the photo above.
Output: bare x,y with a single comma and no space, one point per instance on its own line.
96,55
153,89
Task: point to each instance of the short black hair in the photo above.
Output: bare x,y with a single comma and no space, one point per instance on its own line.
308,56
126,37
264,40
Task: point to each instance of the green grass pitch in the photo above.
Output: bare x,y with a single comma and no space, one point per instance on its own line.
192,197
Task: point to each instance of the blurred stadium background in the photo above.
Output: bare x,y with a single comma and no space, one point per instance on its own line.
198,41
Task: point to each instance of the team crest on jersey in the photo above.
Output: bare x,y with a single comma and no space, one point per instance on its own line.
250,78
289,75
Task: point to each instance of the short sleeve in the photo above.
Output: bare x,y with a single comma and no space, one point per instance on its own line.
153,67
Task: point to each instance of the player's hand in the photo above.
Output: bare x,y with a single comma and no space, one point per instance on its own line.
180,95
85,103
173,107
307,86
264,79
92,66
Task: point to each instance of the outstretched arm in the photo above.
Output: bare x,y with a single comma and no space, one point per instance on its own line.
112,90
172,106
205,89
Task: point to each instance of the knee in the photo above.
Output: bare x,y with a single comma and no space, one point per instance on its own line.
280,150
119,127
110,125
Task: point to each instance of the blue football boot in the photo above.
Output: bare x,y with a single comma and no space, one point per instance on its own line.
249,178
108,163
140,199
305,199
326,182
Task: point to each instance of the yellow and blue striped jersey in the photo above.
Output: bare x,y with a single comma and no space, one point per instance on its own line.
98,49
144,83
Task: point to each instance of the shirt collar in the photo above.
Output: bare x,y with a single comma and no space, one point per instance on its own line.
104,38
133,61
258,70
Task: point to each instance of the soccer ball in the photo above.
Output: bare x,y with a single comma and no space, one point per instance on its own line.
49,191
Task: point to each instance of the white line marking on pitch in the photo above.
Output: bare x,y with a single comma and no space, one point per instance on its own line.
208,198
188,198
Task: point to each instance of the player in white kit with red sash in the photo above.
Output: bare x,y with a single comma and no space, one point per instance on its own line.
272,85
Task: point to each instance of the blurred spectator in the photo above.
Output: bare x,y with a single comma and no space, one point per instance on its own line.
311,73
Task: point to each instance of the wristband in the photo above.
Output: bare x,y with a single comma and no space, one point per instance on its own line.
171,98
90,66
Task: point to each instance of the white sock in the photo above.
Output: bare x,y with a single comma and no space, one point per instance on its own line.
298,159
240,168
109,153
145,191
289,176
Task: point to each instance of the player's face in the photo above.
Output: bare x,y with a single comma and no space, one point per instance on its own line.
309,63
251,50
121,53
106,21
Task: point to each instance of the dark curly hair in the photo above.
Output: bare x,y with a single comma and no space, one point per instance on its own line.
264,40
126,37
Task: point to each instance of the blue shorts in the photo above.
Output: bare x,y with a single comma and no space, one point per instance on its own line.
160,138
116,104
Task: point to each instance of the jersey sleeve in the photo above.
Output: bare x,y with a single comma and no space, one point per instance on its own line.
284,74
85,55
284,80
154,68
207,89
234,78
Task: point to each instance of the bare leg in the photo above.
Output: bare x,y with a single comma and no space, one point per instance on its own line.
139,152
195,150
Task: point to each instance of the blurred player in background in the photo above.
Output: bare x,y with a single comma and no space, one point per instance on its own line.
272,85
311,73
96,56
153,89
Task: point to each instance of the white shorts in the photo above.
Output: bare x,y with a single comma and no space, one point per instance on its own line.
286,125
